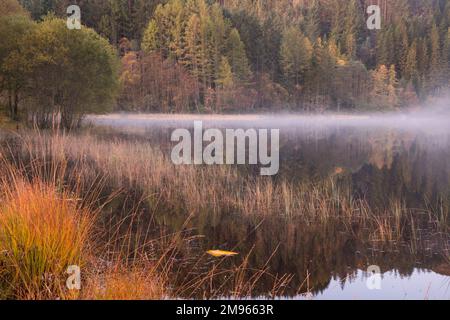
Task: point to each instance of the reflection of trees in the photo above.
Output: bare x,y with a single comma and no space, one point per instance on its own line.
384,165
419,178
323,251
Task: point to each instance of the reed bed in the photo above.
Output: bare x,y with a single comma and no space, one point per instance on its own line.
137,164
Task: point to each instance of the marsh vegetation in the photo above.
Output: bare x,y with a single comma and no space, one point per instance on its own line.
379,197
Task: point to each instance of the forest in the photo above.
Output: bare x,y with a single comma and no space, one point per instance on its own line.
242,56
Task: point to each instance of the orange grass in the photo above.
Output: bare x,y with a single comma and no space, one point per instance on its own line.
120,283
42,232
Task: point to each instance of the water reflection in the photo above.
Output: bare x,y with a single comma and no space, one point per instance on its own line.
419,285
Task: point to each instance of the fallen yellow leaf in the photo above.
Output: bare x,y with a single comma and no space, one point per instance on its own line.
338,170
221,253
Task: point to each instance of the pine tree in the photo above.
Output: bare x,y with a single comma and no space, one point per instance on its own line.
150,39
435,58
403,45
352,26
411,72
296,54
219,28
386,53
380,86
225,75
338,16
446,57
312,24
392,87
238,57
423,59
192,43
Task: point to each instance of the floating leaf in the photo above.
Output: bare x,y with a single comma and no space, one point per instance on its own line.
221,253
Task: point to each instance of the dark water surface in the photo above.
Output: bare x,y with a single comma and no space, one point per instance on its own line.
401,157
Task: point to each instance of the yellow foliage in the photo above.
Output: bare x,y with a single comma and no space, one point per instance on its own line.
221,253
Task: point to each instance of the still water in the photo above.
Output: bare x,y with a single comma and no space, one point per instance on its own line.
403,157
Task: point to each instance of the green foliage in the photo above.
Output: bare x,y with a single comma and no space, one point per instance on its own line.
150,42
237,56
12,31
225,76
296,54
411,63
71,72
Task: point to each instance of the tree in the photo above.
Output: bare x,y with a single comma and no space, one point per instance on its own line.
39,8
151,83
296,54
224,84
11,8
352,26
251,34
380,86
402,51
225,76
312,23
386,51
411,63
150,39
238,57
68,72
392,87
446,55
436,67
12,31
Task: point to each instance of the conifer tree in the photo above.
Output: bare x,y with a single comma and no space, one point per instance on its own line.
296,54
392,87
237,57
403,45
411,63
352,26
435,58
225,75
312,24
150,38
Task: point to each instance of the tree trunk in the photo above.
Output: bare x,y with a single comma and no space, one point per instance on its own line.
16,107
10,104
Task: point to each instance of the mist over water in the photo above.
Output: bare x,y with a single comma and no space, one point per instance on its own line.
430,121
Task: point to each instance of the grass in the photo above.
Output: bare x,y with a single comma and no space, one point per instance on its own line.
44,229
136,283
42,232
136,164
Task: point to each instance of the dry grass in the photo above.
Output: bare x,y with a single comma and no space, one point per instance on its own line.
45,227
137,164
135,283
42,232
